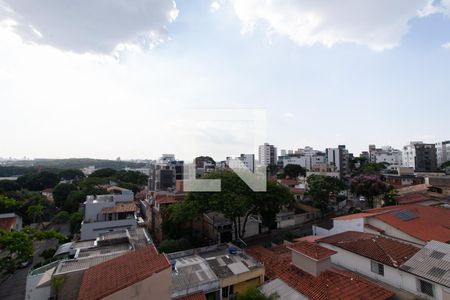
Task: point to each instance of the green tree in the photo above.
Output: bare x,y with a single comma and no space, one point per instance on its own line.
38,181
16,247
71,174
61,218
75,222
9,185
132,177
237,202
103,173
7,204
320,188
35,212
61,192
255,294
177,219
445,165
169,246
73,201
293,171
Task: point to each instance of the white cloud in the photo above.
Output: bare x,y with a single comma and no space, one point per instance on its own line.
215,6
94,26
446,45
377,24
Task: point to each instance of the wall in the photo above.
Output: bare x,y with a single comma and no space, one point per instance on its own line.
341,226
34,293
90,231
157,286
310,265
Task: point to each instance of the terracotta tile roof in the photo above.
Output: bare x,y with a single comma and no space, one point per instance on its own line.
429,223
116,274
354,216
329,285
413,198
312,250
7,223
196,296
166,200
309,238
120,208
387,251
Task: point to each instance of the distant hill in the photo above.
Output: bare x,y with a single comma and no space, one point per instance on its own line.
20,167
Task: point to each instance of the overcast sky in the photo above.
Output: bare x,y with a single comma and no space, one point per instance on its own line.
137,78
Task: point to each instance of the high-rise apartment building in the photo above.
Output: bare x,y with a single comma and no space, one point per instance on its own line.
267,154
442,152
422,157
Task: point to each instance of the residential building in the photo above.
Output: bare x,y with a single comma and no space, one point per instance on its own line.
340,159
105,213
248,160
10,222
385,154
442,152
307,268
414,224
141,274
415,272
422,157
164,173
267,154
219,271
75,258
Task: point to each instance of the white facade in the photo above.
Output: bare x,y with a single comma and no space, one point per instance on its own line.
443,152
247,159
267,154
385,154
392,276
409,155
96,222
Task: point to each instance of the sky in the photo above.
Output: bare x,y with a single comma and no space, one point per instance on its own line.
138,78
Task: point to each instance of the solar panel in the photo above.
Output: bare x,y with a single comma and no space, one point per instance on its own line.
437,272
437,254
405,215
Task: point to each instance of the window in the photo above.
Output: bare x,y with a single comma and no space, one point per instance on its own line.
377,268
425,287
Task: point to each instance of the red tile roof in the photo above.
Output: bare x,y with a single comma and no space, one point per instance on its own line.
196,296
354,216
412,198
430,223
387,251
332,284
309,238
312,250
120,208
116,274
166,200
8,223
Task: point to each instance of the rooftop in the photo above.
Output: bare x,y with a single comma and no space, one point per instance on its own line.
7,223
432,262
111,276
330,284
387,251
312,250
425,223
196,296
120,208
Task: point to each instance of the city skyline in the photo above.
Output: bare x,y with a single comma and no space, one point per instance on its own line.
342,78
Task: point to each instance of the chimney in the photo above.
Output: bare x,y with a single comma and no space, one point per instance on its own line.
310,257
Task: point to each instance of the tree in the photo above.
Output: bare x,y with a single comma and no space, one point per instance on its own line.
71,174
373,168
255,294
369,187
35,212
390,197
75,222
177,219
7,204
73,201
169,246
61,192
293,171
38,181
271,170
62,217
17,247
445,165
320,188
132,177
9,185
238,202
102,173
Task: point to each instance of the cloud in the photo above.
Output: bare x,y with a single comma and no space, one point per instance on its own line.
377,24
90,26
215,6
446,45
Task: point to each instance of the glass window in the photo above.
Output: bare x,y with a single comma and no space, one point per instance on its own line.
377,268
426,288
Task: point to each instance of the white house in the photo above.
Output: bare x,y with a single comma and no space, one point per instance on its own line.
106,213
392,262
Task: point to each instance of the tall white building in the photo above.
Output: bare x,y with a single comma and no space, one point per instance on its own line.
442,152
267,154
247,159
420,156
385,154
340,159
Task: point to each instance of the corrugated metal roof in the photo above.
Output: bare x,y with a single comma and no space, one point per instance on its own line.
432,262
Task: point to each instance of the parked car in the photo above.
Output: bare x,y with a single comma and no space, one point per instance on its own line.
362,199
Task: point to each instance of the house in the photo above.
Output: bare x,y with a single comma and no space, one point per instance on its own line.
74,258
415,272
306,268
10,222
161,201
141,274
105,213
415,224
219,271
